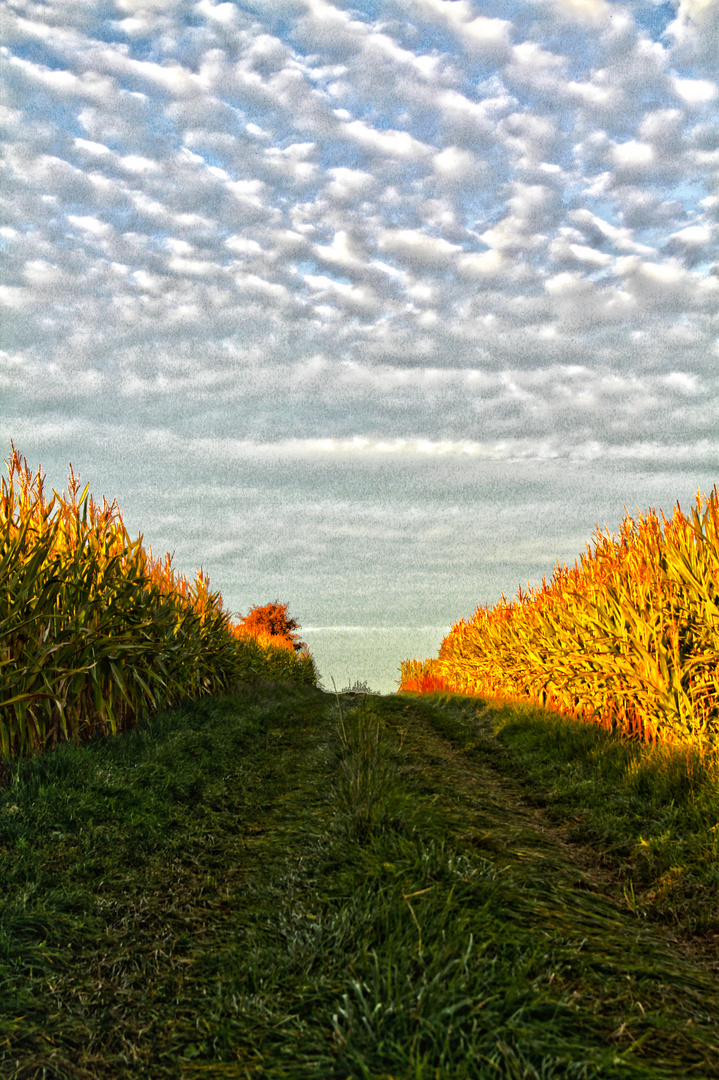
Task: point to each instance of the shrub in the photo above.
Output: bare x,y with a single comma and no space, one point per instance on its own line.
271,621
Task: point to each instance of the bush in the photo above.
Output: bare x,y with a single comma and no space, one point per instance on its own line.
271,621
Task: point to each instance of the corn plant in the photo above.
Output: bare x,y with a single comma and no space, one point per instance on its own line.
94,631
421,677
628,637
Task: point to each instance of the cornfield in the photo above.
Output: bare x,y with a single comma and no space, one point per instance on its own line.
95,632
627,638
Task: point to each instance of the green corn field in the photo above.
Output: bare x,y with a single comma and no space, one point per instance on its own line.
95,632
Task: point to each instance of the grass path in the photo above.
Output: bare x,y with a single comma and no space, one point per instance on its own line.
258,886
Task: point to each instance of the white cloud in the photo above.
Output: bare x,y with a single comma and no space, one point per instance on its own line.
481,263
399,144
697,10
344,252
346,184
193,267
13,297
415,246
94,148
696,91
600,230
90,225
434,196
455,164
39,273
694,234
246,190
359,298
589,12
633,154
563,250
242,245
254,285
136,163
473,121
476,33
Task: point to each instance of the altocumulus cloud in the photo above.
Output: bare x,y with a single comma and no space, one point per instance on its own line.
424,219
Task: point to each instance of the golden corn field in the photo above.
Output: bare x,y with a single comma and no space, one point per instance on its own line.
94,631
627,638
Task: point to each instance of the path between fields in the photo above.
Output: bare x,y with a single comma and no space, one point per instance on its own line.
261,889
508,824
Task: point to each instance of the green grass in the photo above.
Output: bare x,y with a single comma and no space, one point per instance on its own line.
258,886
649,814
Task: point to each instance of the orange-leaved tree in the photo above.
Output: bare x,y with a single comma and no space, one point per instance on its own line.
271,621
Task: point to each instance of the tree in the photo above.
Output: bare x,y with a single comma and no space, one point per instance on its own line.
272,620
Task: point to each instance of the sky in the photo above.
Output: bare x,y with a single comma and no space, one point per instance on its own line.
375,309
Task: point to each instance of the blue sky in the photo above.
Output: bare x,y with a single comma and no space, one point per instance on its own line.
375,308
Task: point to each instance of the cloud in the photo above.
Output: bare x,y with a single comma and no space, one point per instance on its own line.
399,144
475,33
598,231
588,12
414,246
90,225
347,184
359,299
696,91
443,205
694,30
454,164
695,244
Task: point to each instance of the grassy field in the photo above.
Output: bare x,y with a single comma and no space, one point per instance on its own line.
649,813
284,884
